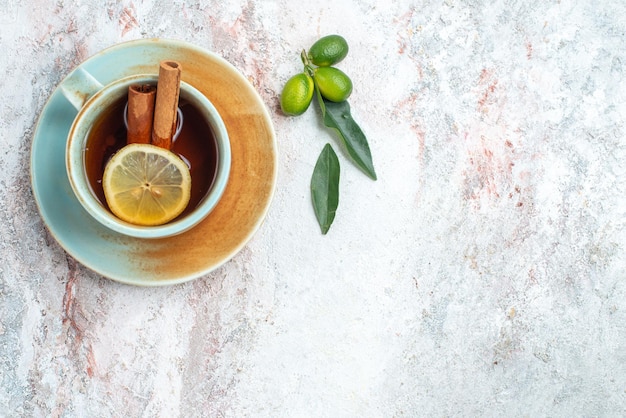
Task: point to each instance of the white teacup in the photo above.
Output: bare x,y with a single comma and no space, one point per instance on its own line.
91,99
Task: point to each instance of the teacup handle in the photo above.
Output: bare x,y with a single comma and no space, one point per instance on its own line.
79,86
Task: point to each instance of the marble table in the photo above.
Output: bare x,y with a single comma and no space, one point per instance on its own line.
482,274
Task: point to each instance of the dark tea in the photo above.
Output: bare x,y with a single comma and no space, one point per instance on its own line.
196,145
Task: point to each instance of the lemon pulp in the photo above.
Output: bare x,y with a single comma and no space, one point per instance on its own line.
146,185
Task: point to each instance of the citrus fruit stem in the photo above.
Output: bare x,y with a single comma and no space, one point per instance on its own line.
305,58
309,70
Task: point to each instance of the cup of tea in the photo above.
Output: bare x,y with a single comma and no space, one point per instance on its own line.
99,131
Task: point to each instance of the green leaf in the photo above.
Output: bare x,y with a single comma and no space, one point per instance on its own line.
337,116
325,187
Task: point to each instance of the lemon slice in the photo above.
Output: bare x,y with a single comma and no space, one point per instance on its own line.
146,185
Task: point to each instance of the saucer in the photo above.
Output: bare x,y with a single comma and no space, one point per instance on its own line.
214,241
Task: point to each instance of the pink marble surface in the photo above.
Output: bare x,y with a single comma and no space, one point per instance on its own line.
483,274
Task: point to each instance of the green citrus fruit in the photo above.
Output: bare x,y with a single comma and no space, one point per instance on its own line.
328,50
333,83
297,94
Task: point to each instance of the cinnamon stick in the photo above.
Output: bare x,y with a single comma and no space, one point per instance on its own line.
140,113
166,106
